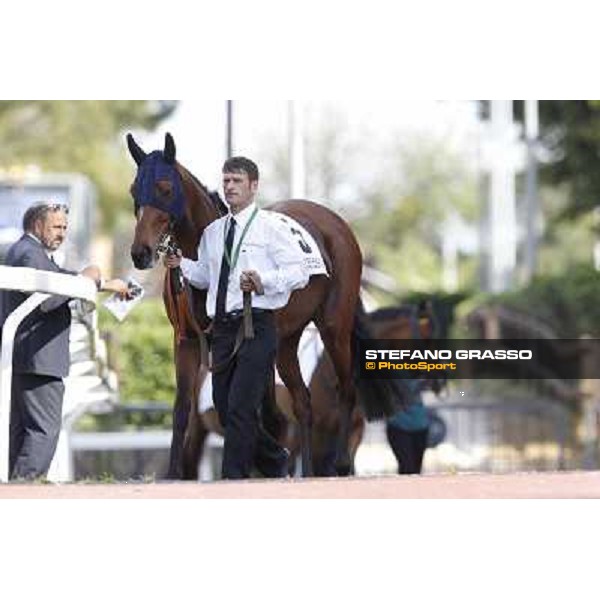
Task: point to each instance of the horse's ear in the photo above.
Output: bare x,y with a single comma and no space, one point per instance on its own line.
169,151
136,152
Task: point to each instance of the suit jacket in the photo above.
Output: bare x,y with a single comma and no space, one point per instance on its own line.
42,339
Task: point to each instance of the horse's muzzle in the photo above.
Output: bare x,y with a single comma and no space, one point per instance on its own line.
142,258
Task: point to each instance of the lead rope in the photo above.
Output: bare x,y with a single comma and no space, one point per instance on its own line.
180,310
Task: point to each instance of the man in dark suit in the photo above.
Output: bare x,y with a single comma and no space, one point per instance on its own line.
41,356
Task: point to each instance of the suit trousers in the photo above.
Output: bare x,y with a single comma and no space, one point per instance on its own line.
238,391
35,422
408,447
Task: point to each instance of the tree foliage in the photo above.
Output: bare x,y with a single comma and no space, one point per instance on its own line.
570,132
79,136
400,228
567,302
329,152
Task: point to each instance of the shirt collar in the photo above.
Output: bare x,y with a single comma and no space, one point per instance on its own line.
243,216
33,237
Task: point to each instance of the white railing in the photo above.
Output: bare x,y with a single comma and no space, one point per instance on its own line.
43,284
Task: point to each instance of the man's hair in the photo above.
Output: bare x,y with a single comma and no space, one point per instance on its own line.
38,211
235,164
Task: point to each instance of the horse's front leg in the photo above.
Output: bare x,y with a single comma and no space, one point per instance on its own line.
183,460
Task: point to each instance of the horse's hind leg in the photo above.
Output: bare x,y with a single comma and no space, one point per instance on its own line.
289,371
357,431
338,346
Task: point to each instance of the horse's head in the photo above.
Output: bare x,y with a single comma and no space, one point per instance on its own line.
406,322
159,199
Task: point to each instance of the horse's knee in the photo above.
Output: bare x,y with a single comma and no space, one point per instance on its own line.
339,340
302,407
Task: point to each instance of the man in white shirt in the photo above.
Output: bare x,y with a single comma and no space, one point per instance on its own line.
248,250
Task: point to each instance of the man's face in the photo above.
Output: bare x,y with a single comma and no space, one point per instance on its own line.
239,190
52,229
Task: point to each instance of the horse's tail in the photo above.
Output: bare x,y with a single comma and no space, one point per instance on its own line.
379,398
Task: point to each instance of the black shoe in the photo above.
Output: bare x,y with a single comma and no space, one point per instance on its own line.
278,469
284,468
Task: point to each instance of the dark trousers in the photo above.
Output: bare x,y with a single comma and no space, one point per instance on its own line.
238,391
408,447
35,421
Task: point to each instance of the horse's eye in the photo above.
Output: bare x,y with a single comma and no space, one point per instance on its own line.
164,189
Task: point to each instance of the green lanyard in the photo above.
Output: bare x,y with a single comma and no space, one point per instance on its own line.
232,260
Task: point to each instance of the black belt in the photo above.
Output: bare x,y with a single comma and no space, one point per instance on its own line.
235,315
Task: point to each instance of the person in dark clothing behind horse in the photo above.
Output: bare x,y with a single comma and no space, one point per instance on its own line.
41,356
248,250
407,430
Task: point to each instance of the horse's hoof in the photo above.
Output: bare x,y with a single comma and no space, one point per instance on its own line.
174,475
307,471
343,470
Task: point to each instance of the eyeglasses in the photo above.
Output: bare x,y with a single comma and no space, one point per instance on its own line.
56,207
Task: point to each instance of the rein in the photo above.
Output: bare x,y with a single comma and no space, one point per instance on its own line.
176,287
239,340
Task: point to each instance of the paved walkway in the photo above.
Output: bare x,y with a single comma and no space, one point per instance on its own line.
579,484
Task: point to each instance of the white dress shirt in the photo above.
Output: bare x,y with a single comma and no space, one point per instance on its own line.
267,248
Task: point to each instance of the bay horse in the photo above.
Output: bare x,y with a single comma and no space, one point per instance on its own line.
170,202
406,321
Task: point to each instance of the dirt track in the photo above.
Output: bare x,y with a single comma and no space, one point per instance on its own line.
580,484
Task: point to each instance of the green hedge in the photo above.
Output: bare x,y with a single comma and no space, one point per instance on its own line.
141,352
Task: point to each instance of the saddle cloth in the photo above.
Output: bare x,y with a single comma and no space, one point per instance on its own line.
313,261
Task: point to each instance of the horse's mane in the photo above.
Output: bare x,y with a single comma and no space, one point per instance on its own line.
393,312
214,195
409,311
